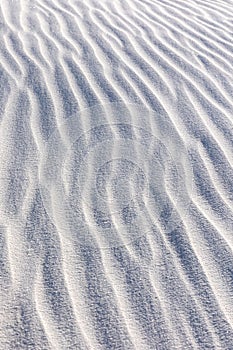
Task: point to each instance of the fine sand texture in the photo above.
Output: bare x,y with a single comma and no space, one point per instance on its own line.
116,179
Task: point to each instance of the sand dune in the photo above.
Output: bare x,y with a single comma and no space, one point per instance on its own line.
116,179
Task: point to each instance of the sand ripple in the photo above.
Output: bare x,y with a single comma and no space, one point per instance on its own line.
116,179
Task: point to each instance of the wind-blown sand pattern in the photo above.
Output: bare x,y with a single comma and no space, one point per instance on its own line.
116,180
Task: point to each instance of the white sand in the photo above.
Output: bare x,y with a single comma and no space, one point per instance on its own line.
116,180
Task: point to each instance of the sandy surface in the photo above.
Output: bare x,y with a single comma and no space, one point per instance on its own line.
116,180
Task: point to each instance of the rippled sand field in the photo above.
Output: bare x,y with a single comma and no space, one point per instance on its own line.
116,179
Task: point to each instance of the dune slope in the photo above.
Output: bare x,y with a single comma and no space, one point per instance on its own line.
116,179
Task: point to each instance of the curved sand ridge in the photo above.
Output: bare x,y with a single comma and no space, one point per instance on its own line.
116,174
